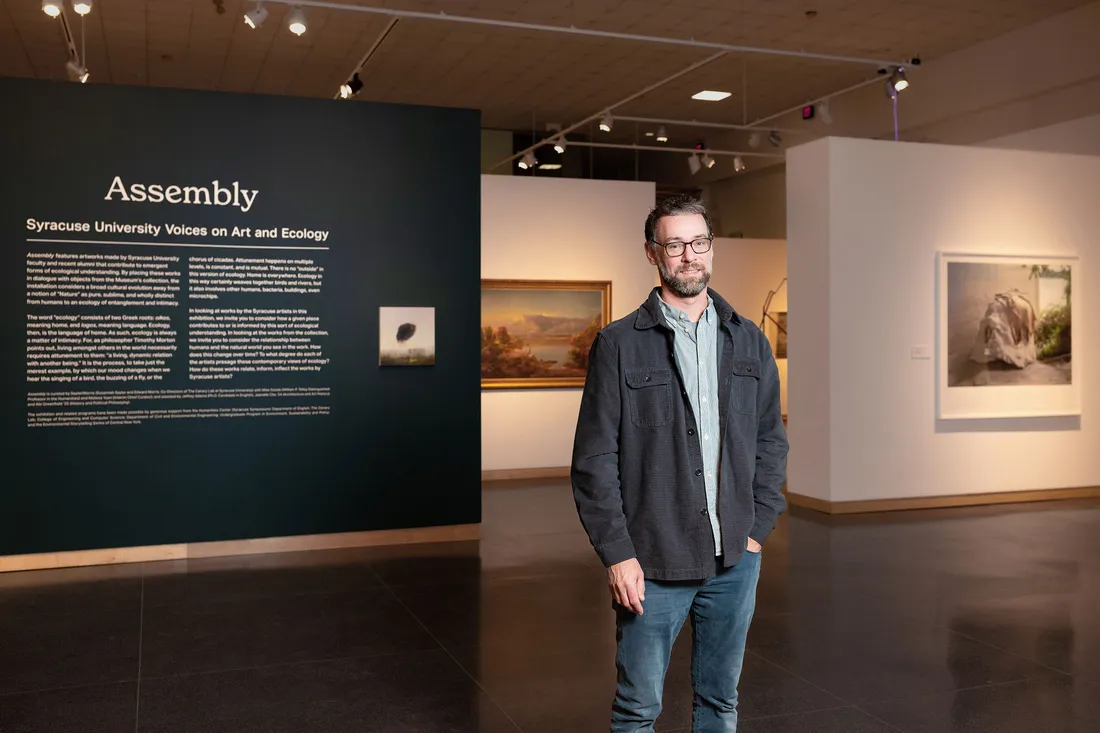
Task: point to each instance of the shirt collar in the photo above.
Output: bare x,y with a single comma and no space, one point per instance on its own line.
672,313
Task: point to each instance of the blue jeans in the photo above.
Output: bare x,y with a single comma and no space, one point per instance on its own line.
721,609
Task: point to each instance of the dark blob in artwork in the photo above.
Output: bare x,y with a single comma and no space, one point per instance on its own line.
405,332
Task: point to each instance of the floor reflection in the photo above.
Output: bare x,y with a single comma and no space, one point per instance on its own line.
944,620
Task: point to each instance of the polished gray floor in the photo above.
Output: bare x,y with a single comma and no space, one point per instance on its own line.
978,620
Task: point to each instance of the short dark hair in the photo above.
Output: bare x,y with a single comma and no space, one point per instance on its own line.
673,206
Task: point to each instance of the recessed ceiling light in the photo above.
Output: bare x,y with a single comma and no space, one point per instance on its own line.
710,96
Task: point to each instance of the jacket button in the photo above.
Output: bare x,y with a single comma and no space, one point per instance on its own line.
698,472
703,512
691,431
647,377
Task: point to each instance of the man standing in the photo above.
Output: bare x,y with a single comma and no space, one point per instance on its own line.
678,465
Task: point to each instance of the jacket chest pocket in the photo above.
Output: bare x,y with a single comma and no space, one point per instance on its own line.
649,392
744,384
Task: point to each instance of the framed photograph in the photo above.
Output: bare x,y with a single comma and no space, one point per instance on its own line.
406,336
1005,344
776,331
537,333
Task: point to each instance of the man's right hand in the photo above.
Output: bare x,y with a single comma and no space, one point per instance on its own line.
627,584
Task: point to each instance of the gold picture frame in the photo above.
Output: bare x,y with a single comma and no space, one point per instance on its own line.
535,334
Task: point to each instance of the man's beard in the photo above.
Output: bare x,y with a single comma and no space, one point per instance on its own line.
684,288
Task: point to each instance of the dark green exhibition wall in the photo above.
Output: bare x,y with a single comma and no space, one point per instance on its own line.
163,381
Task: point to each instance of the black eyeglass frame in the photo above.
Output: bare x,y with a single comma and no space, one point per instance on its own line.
682,246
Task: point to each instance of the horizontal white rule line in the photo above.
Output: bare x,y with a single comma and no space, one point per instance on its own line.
169,244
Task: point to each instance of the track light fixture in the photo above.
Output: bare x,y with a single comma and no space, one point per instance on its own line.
74,68
738,163
606,122
662,135
76,71
528,161
900,81
774,139
708,161
693,163
297,21
255,18
559,144
896,82
351,87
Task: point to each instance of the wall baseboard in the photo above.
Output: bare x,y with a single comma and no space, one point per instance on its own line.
186,551
510,474
940,502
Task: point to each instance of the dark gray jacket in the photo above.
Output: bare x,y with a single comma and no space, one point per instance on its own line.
637,468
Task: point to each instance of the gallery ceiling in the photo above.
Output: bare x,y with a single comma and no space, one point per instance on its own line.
518,78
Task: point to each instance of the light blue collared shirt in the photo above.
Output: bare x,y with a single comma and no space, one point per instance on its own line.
697,358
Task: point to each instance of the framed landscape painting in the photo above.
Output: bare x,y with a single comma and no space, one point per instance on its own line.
537,333
1005,338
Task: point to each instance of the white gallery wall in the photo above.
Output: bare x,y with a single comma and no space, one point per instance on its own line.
865,221
556,229
745,270
1080,136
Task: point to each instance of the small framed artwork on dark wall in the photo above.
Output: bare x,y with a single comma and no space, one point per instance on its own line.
406,336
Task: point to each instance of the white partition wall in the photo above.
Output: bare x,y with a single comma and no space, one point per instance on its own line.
866,220
556,229
1080,136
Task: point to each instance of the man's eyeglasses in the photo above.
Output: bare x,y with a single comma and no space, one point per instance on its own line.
675,249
